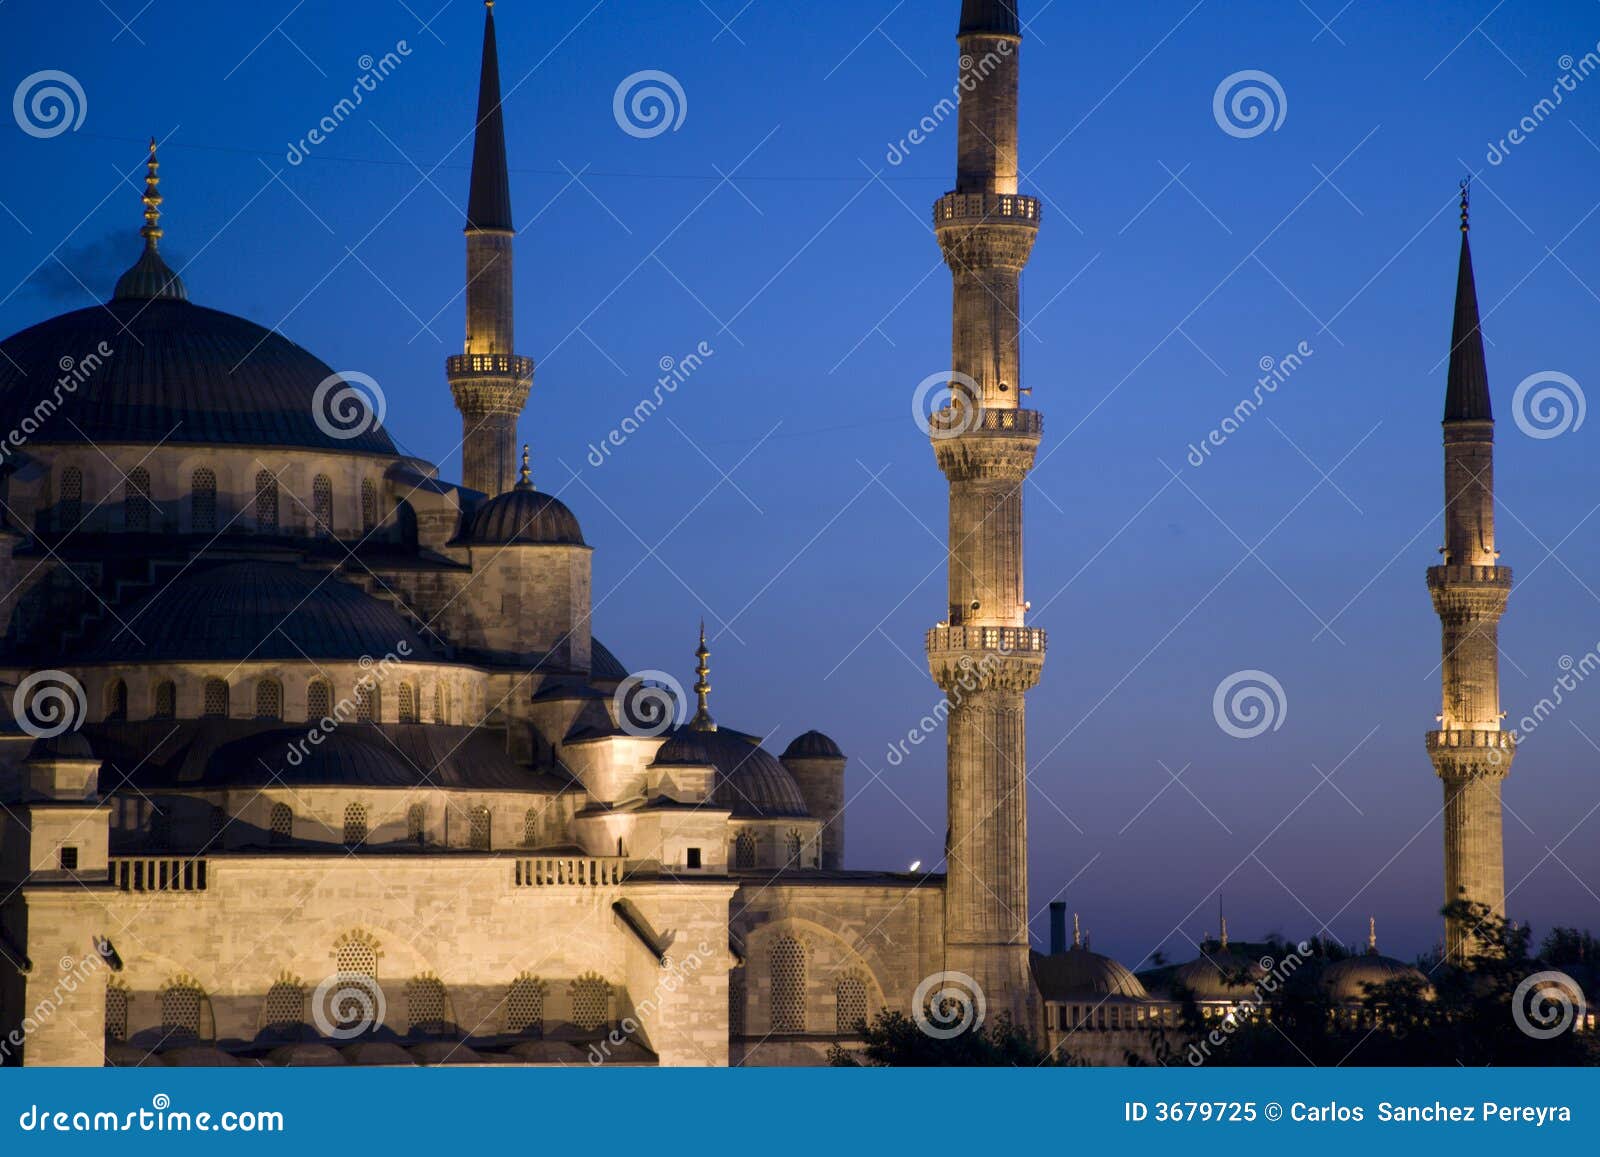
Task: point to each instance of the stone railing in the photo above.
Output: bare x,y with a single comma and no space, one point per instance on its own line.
1006,640
500,365
1484,740
157,874
971,207
957,420
568,871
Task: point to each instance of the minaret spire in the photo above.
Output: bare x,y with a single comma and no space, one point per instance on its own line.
150,278
1077,932
489,381
702,720
1467,394
1372,935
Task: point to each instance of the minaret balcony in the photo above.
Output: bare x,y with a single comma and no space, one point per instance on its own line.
1470,593
1472,753
978,208
961,420
489,366
986,658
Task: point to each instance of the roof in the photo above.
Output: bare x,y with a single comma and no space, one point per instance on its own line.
683,749
604,666
813,745
1349,980
1216,974
750,782
489,198
999,16
176,373
1467,390
521,516
1079,973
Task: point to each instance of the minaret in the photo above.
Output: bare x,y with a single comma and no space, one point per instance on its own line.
1471,751
489,381
983,656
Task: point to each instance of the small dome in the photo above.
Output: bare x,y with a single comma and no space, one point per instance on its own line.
1081,973
1215,975
813,745
1348,981
522,517
750,782
604,667
684,749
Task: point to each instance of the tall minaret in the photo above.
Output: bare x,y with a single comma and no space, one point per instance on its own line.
489,381
983,656
1471,751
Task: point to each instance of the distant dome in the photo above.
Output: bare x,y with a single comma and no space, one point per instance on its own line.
1347,981
1213,975
1081,973
522,517
813,745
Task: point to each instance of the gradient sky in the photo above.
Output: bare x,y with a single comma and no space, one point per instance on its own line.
785,494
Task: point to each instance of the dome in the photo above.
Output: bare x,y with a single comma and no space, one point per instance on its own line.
521,516
1081,973
177,373
259,611
1348,981
684,749
344,758
813,745
750,782
1214,975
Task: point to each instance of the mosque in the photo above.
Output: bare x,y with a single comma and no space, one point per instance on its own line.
312,755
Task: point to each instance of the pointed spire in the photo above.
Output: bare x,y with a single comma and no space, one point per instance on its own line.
998,17
489,201
1467,394
152,200
150,278
1224,940
525,482
1077,932
1372,935
702,720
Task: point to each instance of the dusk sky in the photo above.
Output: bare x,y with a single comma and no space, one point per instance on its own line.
784,492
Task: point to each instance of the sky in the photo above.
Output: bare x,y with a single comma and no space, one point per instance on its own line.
784,491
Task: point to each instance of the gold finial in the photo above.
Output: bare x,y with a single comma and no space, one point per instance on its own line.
702,720
1077,932
1224,939
1466,197
152,200
1372,935
525,480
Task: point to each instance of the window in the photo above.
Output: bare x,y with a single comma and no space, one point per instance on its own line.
166,700
180,1011
788,985
735,1002
116,1013
269,699
795,843
203,501
70,512
285,1007
480,826
136,499
216,699
368,707
694,857
591,999
356,956
416,824
355,825
116,700
441,704
68,859
525,1007
266,502
281,823
369,506
530,827
744,850
322,504
408,703
319,700
425,1005
851,996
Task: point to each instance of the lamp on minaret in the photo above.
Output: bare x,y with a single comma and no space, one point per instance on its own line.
1471,751
488,380
702,720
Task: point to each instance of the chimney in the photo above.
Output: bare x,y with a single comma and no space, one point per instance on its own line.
1058,927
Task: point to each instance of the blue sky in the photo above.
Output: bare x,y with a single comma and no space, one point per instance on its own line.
785,494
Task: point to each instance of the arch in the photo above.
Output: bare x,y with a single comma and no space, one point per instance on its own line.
525,1006
322,504
355,824
408,703
788,964
136,507
368,701
116,701
591,1001
280,823
266,502
165,700
216,699
284,1010
850,999
480,833
116,1012
69,512
319,699
269,699
744,849
203,500
417,824
182,1010
369,506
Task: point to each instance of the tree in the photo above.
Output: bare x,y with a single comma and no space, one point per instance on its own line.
894,1040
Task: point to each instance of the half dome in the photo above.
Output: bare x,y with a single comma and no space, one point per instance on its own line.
521,516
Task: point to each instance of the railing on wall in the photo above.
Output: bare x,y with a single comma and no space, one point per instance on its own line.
157,874
568,871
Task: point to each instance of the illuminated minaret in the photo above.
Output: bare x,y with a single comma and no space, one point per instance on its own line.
489,381
983,656
1471,751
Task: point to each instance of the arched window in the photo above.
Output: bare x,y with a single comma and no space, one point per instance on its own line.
136,499
788,985
203,501
525,1006
369,505
417,824
166,700
441,703
70,511
367,704
355,825
266,502
591,1001
480,827
851,995
322,504
116,1013
744,850
216,699
408,703
180,1011
319,700
285,1007
736,1002
269,699
356,956
116,700
530,827
795,843
281,823
425,1005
